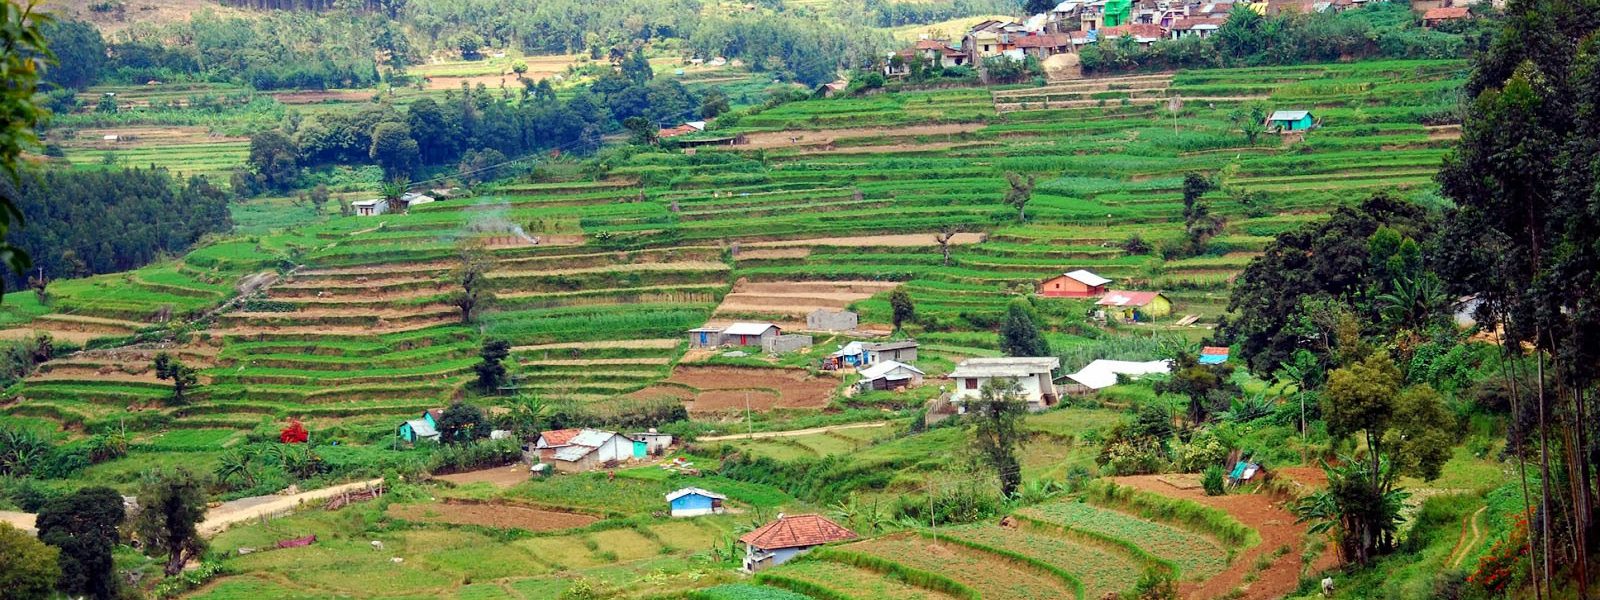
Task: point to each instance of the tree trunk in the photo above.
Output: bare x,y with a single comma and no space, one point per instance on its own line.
1544,464
175,561
1509,370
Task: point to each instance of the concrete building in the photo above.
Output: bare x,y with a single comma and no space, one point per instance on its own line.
1034,378
823,319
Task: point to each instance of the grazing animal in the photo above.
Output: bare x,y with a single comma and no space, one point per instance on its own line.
1327,587
377,544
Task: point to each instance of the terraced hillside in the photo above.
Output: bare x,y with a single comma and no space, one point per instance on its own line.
831,204
1059,549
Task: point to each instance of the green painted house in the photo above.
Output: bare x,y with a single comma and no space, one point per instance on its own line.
1290,120
1116,12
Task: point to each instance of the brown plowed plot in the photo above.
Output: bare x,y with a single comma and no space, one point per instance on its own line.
146,136
716,389
27,333
785,139
1444,132
798,298
498,516
902,240
991,575
81,374
432,267
1260,512
492,82
500,477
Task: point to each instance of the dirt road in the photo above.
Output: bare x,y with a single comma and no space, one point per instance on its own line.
791,433
233,511
1267,516
248,509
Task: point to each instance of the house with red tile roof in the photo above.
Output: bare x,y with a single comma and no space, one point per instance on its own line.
1434,16
787,537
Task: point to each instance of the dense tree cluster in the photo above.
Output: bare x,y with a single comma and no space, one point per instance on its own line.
809,48
474,129
1378,29
1525,245
1292,296
102,221
276,51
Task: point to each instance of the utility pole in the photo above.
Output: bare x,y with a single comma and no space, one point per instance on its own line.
749,427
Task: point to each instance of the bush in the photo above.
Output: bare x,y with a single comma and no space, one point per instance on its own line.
1213,481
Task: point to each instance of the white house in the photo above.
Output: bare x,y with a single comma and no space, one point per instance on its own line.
1033,376
1103,373
582,449
888,375
369,208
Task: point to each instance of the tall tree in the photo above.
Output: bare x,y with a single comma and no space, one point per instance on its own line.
1018,193
181,375
1019,334
172,505
491,367
275,158
997,418
461,423
80,54
1198,222
901,308
83,525
1406,431
943,238
394,150
1208,387
29,568
471,275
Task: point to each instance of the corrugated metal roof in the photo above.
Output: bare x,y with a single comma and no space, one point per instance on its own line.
880,347
748,328
851,349
884,368
1288,115
422,429
696,491
1126,298
573,452
1103,373
593,438
1087,277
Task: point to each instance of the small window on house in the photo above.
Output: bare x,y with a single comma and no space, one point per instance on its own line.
972,384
